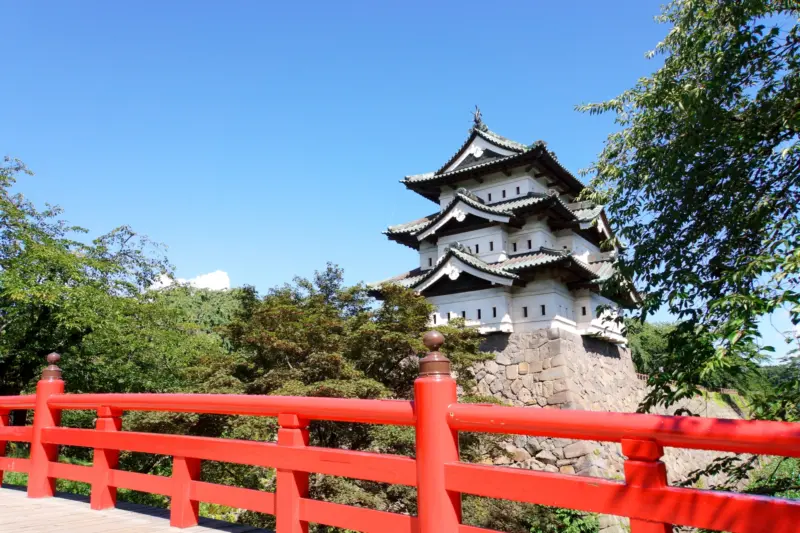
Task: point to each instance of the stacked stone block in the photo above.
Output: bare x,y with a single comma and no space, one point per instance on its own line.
557,369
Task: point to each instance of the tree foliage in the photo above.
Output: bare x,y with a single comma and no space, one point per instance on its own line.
86,300
702,181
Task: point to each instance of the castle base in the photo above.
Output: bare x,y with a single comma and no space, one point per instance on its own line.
557,369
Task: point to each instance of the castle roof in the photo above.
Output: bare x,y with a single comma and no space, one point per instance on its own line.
465,204
496,153
507,272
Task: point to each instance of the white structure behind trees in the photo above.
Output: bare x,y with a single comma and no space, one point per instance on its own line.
510,249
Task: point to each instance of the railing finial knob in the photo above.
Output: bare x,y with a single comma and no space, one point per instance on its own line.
434,364
52,371
433,340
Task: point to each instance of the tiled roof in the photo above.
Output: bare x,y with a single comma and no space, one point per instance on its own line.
543,256
487,135
413,226
506,207
493,137
603,270
430,176
586,215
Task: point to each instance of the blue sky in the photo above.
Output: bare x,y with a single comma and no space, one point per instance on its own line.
265,139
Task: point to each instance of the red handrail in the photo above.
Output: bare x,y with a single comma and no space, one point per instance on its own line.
394,412
740,436
436,472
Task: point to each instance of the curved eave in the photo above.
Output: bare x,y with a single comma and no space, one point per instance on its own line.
430,184
453,265
458,209
406,239
488,136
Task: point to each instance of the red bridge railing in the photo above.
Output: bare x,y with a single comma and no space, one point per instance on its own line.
437,473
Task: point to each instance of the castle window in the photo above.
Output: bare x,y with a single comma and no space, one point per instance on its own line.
434,318
504,193
514,246
463,314
490,197
530,244
544,310
517,190
494,312
477,249
525,312
583,310
479,314
491,246
430,261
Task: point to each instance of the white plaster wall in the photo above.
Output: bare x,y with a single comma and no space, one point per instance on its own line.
535,231
580,247
607,317
469,303
481,237
495,184
428,255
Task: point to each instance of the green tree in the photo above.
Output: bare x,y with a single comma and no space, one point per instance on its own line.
55,291
702,180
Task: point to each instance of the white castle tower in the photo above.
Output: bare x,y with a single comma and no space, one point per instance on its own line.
509,249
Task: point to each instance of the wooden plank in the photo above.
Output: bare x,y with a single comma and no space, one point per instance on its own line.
72,514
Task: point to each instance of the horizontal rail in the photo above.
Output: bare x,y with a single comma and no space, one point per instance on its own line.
15,464
237,497
395,412
72,472
355,518
722,511
16,433
473,529
368,466
739,436
17,402
123,479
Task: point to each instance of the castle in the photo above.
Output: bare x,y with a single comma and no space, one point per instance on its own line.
510,249
513,252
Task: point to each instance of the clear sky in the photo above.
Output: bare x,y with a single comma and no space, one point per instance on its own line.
264,139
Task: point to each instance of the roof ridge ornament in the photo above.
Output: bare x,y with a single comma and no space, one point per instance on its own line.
463,191
477,120
457,246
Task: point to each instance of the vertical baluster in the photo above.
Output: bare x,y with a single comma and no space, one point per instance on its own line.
103,495
184,512
644,469
4,422
40,484
439,510
291,485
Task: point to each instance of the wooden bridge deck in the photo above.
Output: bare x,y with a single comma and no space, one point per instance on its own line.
68,513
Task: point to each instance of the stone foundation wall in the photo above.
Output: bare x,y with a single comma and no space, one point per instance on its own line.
556,369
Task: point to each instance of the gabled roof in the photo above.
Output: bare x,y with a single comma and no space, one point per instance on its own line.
479,130
503,212
504,272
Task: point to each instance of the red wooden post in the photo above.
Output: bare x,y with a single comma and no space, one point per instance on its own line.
40,485
643,468
103,495
3,423
439,510
291,485
184,512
